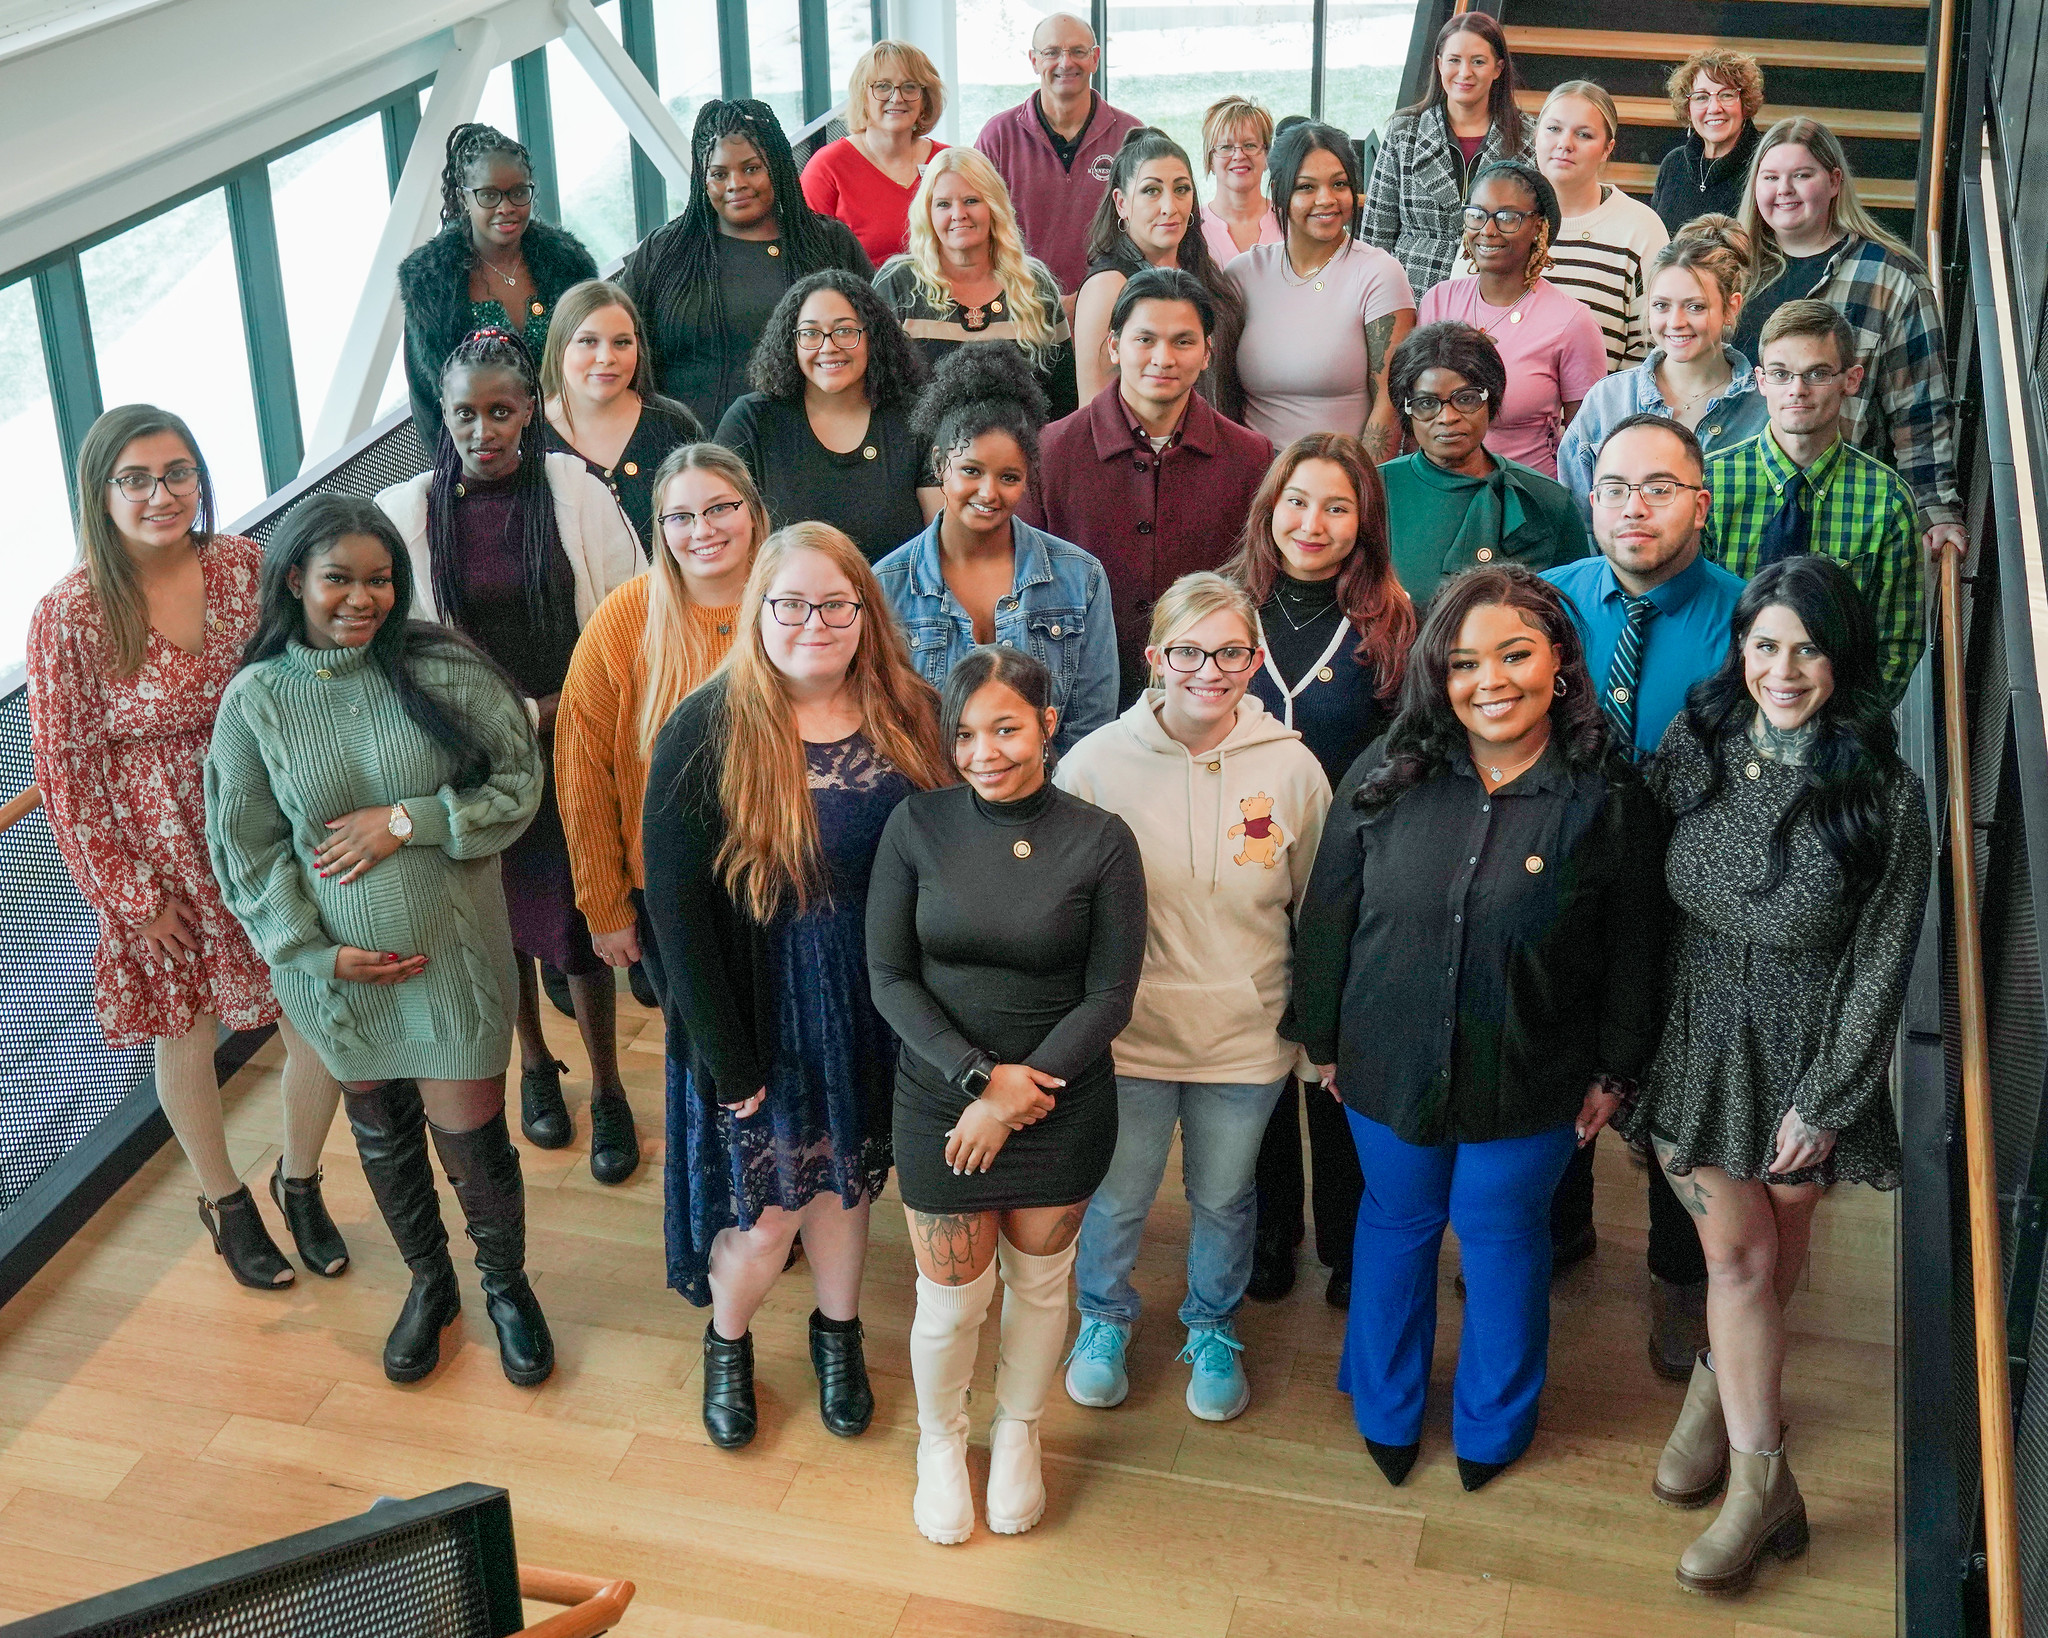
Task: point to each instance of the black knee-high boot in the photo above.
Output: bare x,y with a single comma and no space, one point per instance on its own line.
390,1127
483,1169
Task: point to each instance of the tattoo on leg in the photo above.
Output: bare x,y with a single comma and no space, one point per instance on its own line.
947,1243
1692,1194
1064,1231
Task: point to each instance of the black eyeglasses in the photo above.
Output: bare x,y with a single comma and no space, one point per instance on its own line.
179,481
681,523
846,337
1426,406
1508,221
836,612
492,198
1231,657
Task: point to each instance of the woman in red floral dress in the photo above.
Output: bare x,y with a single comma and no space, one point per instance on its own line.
127,657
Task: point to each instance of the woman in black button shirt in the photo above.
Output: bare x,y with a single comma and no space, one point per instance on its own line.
1477,966
826,430
1006,1102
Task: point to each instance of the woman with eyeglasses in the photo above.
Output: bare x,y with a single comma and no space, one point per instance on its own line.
1550,343
869,177
1454,504
1226,803
766,799
1237,132
1478,976
649,643
1716,94
493,263
826,430
597,386
128,656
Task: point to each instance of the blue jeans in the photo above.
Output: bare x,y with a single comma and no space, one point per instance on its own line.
1221,1125
1498,1197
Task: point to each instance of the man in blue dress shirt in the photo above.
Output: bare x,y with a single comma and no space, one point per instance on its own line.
1654,615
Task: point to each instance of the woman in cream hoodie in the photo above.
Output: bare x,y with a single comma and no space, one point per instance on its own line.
1227,804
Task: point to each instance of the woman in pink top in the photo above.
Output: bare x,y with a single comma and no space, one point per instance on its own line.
868,178
1551,344
1237,132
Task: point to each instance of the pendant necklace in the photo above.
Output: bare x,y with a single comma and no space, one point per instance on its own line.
1500,778
495,268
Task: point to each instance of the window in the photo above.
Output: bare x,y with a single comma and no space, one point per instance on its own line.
39,525
850,30
593,156
1265,55
773,42
686,70
166,317
993,47
1363,55
496,106
321,194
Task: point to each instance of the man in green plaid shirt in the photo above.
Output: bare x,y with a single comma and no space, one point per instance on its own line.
1799,486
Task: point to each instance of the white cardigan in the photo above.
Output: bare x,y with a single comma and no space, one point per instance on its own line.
602,547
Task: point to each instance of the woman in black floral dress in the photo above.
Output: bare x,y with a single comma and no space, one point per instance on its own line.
1799,862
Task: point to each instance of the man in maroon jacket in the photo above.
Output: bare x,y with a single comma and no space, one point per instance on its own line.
1147,476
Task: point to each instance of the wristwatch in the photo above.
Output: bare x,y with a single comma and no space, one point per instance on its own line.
973,1080
400,822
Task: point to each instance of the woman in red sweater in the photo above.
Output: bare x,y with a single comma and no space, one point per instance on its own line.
868,178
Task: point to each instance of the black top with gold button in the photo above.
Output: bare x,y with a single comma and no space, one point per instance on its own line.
665,425
869,491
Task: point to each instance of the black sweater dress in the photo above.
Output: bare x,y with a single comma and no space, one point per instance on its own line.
1016,929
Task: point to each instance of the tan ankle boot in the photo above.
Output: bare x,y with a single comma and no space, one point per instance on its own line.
1764,1513
1695,1459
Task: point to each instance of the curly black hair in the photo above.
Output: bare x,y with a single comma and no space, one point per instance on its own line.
896,371
985,387
1447,345
467,145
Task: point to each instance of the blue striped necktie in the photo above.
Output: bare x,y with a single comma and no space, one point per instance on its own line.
1625,672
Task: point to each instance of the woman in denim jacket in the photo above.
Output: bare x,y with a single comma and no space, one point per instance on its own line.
978,573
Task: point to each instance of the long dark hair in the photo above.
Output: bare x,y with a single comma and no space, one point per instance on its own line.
1427,731
684,278
1500,101
1367,589
400,643
550,586
1856,752
1107,239
467,146
1290,152
896,369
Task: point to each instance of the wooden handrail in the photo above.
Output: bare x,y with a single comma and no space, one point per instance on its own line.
596,1605
1937,170
20,807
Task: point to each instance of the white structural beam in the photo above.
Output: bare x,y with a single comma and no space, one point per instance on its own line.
618,78
928,25
374,332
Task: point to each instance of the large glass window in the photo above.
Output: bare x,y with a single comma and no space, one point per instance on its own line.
166,317
496,106
324,196
685,65
593,156
41,543
992,41
1167,71
1365,51
774,42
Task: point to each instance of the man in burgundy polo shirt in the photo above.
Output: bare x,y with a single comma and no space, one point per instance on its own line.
1146,475
1055,148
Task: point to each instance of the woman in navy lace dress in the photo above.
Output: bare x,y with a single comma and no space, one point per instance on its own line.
766,800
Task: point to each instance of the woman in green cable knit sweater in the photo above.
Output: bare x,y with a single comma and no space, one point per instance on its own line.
366,772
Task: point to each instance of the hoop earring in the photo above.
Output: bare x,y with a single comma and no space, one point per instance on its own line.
1558,687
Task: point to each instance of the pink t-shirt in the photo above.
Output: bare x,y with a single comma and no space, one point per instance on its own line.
842,181
1222,248
1553,351
1302,357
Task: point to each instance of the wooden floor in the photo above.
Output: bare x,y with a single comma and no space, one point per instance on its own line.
153,1414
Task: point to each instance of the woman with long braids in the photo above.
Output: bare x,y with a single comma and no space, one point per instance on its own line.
1799,862
766,799
365,773
1150,217
492,263
515,548
707,282
127,658
1550,343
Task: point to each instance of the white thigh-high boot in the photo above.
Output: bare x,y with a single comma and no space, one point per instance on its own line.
943,1339
1034,1338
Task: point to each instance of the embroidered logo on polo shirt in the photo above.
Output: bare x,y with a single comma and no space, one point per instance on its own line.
1100,166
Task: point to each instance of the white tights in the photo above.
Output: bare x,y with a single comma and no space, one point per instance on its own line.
190,1094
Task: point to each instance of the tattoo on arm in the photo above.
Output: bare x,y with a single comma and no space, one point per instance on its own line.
1378,441
948,1243
1378,335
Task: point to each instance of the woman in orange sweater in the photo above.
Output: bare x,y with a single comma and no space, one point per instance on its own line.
649,643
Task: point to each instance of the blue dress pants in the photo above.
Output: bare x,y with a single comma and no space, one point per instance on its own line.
1497,1195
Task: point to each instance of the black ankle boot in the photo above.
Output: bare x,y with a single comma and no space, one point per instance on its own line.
543,1116
846,1403
390,1127
483,1170
614,1145
243,1242
729,1414
321,1247
1394,1461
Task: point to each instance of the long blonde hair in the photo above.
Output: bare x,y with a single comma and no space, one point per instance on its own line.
1015,271
770,856
578,302
1847,211
675,653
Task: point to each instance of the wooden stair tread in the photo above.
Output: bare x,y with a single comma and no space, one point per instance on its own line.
1844,122
1883,192
1888,5
1675,48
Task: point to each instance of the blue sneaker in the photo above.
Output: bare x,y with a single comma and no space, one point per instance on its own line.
1217,1389
1095,1369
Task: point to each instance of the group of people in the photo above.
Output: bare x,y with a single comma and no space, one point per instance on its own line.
1063,703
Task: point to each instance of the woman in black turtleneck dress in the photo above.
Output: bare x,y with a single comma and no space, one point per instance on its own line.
1336,627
